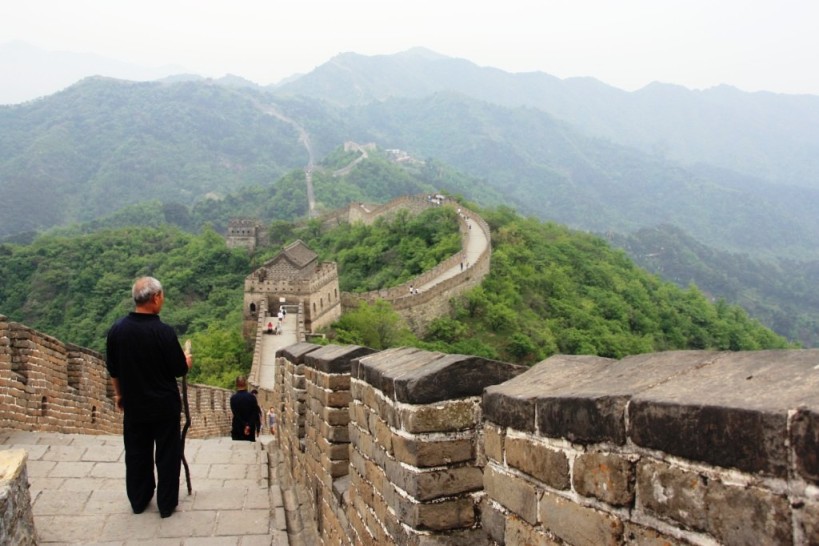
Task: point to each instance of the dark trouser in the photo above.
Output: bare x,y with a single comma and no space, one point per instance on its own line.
139,463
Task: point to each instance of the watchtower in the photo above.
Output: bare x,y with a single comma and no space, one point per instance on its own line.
294,276
244,233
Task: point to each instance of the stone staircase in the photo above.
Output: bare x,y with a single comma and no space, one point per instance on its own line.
77,489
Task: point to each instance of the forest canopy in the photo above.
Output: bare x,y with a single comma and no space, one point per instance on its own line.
550,290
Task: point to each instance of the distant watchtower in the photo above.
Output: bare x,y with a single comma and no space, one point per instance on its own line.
294,276
244,233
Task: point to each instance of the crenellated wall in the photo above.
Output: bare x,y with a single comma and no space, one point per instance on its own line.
694,447
421,308
52,386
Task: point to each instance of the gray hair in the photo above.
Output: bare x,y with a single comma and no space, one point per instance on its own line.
144,289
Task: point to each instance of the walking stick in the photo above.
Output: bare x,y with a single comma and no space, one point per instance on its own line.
187,420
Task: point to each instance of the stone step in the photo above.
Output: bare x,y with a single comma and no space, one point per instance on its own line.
78,492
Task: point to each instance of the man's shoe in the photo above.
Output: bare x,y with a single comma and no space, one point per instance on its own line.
166,513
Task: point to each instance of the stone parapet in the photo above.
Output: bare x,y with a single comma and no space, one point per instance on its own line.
51,386
327,439
685,447
420,309
415,424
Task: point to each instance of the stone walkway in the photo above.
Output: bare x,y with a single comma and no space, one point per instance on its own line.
78,493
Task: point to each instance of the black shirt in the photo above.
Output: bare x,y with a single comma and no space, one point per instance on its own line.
245,408
144,354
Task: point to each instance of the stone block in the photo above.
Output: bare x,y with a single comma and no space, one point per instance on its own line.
493,440
731,411
426,485
359,415
513,403
608,477
422,452
672,494
382,432
296,353
335,359
805,441
421,377
438,516
513,493
578,525
637,535
447,416
747,515
808,521
539,461
520,533
493,520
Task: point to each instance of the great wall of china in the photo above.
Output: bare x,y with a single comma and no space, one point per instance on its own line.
405,446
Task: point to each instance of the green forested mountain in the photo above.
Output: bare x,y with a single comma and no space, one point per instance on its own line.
103,145
550,290
196,153
782,294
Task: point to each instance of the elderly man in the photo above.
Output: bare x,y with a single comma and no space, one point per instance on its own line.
144,359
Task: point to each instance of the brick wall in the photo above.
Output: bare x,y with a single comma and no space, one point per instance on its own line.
49,385
689,447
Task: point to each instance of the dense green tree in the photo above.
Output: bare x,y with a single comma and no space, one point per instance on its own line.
375,325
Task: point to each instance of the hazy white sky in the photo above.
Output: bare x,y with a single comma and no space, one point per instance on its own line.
751,44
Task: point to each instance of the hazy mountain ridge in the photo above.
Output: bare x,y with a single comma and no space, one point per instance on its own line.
104,144
768,135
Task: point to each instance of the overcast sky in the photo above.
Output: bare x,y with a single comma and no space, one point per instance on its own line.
750,44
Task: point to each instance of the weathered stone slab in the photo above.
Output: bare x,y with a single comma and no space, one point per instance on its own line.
547,465
451,377
427,485
637,534
591,409
422,377
579,525
805,441
733,411
296,353
513,493
672,493
422,452
513,403
747,515
335,358
518,532
374,369
448,416
605,476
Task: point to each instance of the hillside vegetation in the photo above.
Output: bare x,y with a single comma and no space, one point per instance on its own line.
109,153
781,295
550,290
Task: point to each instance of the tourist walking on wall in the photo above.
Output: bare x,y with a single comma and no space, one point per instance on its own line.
246,413
144,358
271,420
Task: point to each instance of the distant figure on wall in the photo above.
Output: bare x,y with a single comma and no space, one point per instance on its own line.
271,420
246,412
